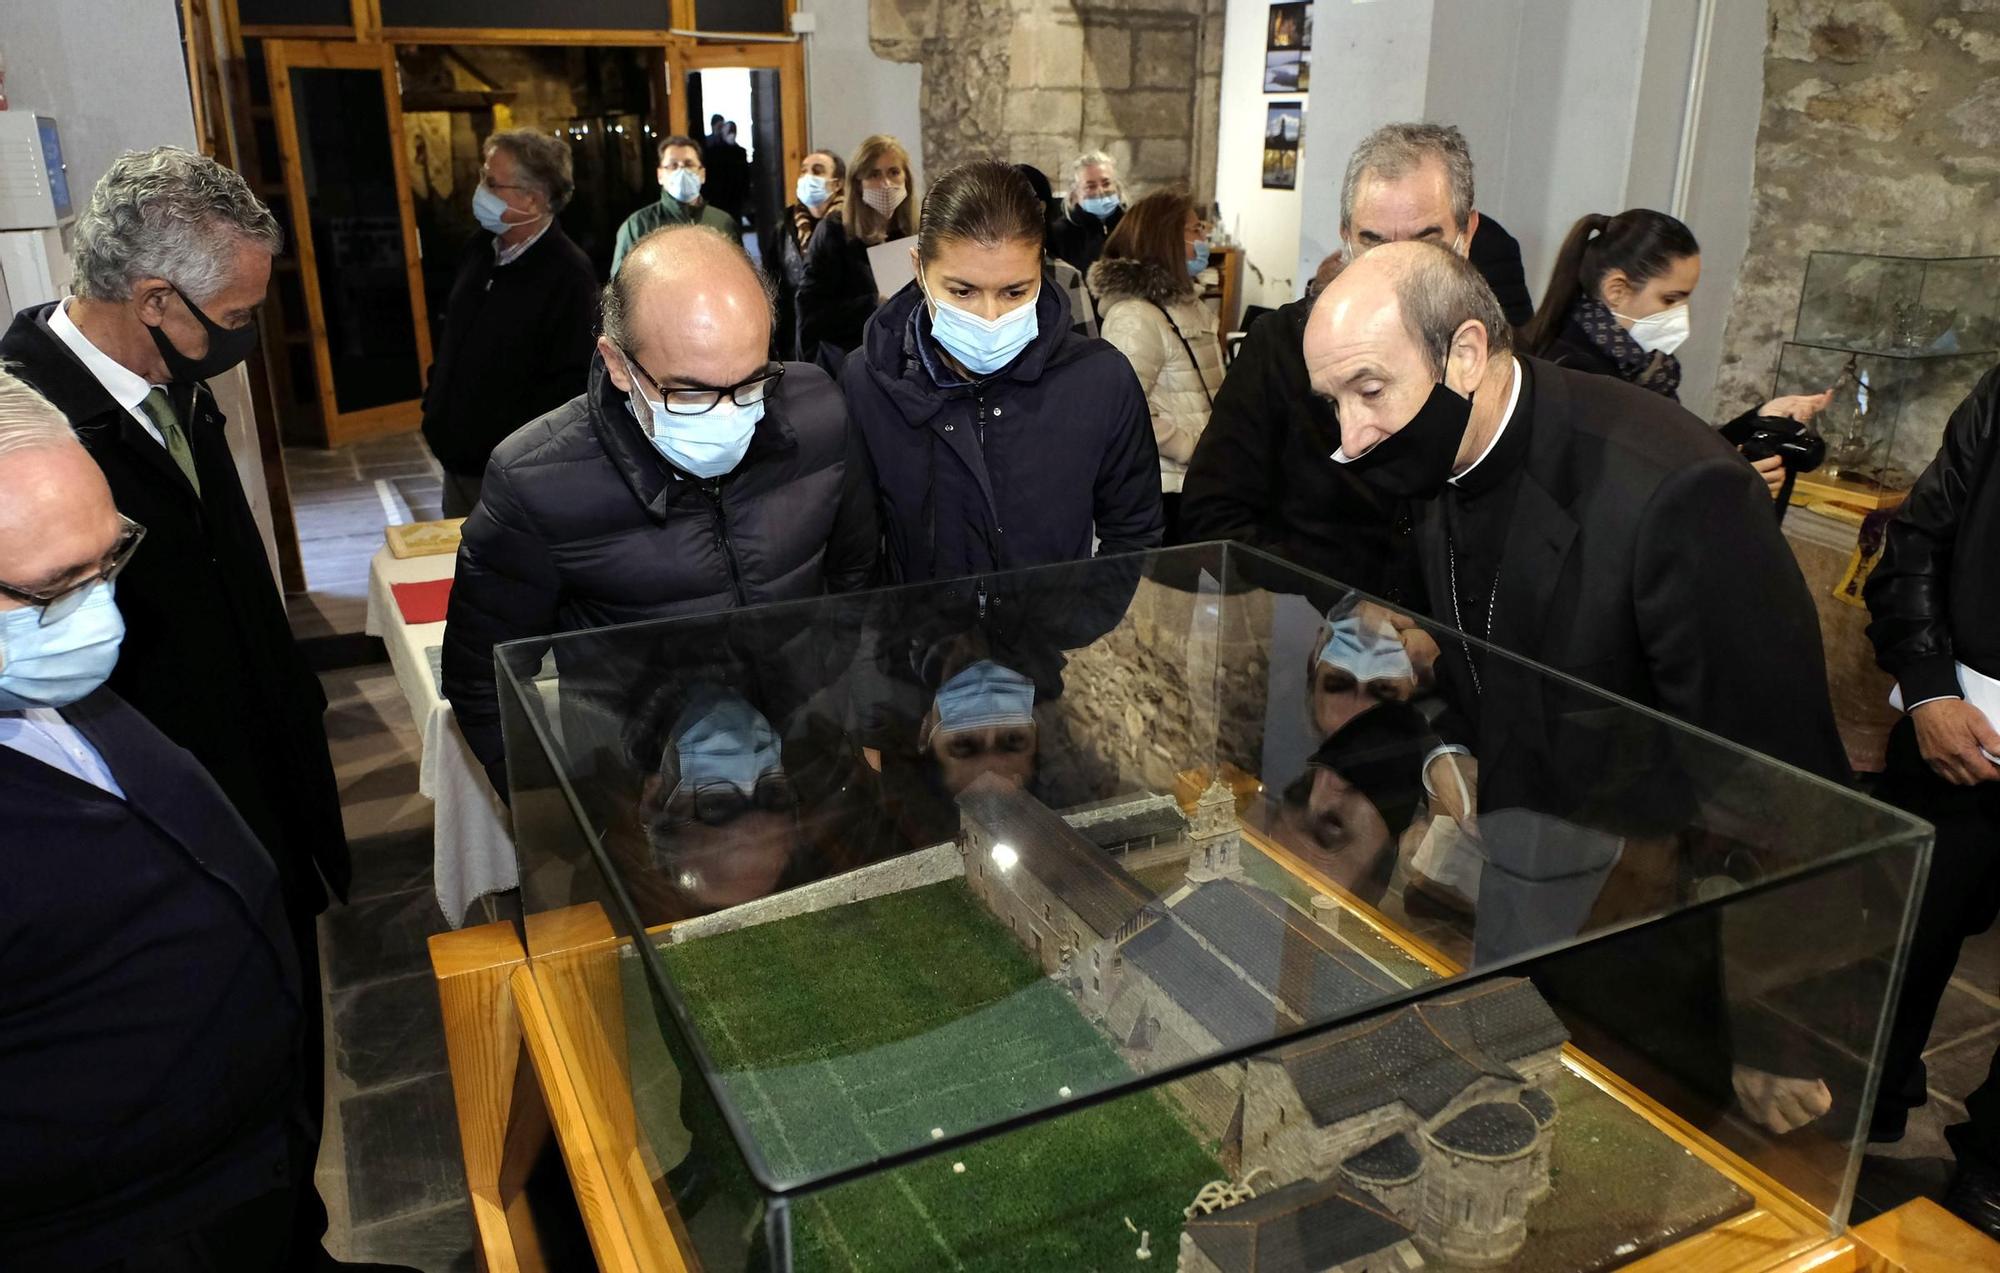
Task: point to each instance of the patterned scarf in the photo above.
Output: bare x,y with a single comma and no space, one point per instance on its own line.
804,222
1659,372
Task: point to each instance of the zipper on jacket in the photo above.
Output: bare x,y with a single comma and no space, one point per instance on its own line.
713,489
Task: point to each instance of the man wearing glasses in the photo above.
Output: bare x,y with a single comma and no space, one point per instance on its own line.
150,997
518,321
692,476
173,256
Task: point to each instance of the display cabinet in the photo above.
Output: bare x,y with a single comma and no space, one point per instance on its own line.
1163,912
1900,340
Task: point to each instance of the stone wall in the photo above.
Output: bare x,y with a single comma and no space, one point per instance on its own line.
1043,80
1880,133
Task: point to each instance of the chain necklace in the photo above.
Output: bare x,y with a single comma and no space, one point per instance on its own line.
1458,618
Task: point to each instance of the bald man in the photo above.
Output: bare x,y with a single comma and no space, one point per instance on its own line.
1600,530
694,475
1585,525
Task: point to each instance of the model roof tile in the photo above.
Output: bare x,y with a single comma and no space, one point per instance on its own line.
1087,879
1491,1129
1424,1055
1292,958
1391,1159
1301,1228
1203,987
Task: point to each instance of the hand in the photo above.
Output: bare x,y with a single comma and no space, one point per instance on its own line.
1779,1104
1455,779
873,758
1798,406
1951,734
1772,469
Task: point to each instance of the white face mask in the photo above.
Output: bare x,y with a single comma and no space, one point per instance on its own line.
1661,333
884,199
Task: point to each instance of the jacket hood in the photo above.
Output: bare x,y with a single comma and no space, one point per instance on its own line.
1115,279
894,364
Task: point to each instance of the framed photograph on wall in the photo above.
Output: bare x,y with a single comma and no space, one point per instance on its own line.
1283,69
1290,26
1284,126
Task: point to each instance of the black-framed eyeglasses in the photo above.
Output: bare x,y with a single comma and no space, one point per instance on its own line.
717,804
746,393
63,602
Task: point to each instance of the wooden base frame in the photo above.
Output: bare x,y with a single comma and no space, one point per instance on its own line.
563,1010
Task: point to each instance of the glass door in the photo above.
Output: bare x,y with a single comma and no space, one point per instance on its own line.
760,88
340,133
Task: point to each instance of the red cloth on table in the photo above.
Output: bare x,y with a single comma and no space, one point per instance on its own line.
422,602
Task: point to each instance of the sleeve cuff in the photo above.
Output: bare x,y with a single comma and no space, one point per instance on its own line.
1935,677
1448,749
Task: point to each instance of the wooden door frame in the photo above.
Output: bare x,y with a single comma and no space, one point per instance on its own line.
786,57
280,57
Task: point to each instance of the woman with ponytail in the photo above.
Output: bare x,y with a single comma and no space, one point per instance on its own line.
1617,305
837,291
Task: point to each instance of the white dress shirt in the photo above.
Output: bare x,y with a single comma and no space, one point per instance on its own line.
126,387
1506,417
40,733
507,256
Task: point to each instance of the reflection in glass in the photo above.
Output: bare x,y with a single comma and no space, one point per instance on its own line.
1149,904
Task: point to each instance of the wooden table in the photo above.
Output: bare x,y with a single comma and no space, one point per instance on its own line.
562,1010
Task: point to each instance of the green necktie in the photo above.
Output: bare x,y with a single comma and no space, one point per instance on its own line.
159,406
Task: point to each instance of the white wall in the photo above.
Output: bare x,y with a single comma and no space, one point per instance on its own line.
1570,106
1264,222
113,75
851,92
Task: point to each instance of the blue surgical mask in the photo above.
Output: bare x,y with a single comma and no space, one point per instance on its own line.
1199,261
682,185
1099,206
704,446
984,696
814,190
491,211
57,664
1367,652
720,738
984,346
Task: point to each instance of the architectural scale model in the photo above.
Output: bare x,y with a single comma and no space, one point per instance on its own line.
1423,1134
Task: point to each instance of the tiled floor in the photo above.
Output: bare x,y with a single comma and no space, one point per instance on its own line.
342,500
390,1166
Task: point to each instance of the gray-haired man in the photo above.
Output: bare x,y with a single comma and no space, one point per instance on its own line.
172,255
519,318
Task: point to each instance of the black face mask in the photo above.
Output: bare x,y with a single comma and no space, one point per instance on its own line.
1416,461
227,346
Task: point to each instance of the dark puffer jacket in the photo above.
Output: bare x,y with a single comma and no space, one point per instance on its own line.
1934,596
1020,469
582,524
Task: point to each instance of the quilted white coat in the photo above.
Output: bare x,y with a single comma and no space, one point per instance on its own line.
1141,307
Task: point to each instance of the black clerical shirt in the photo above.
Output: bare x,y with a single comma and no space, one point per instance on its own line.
1478,507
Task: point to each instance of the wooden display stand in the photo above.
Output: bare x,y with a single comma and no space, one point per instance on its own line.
564,1011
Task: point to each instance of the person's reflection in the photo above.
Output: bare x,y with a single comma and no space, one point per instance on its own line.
1346,814
721,815
1360,662
982,721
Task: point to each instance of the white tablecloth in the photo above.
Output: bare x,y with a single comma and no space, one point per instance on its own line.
473,852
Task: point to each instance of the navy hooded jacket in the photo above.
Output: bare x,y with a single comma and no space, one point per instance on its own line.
1023,468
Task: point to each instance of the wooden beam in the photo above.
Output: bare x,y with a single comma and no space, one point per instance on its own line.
482,1039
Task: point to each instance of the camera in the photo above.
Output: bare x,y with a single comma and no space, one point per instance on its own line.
1761,437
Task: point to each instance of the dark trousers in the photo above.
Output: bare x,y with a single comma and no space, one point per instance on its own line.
461,492
1171,502
1961,900
308,1226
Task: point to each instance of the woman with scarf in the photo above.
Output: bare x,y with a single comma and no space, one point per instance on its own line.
1617,305
822,180
837,292
999,437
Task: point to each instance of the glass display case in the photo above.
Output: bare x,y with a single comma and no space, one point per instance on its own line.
1900,340
1155,912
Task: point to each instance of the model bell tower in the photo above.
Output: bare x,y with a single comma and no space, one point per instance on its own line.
1215,836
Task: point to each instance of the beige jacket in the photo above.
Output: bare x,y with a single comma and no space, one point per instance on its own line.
1146,313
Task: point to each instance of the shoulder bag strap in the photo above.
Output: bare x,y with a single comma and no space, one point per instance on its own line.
1194,362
